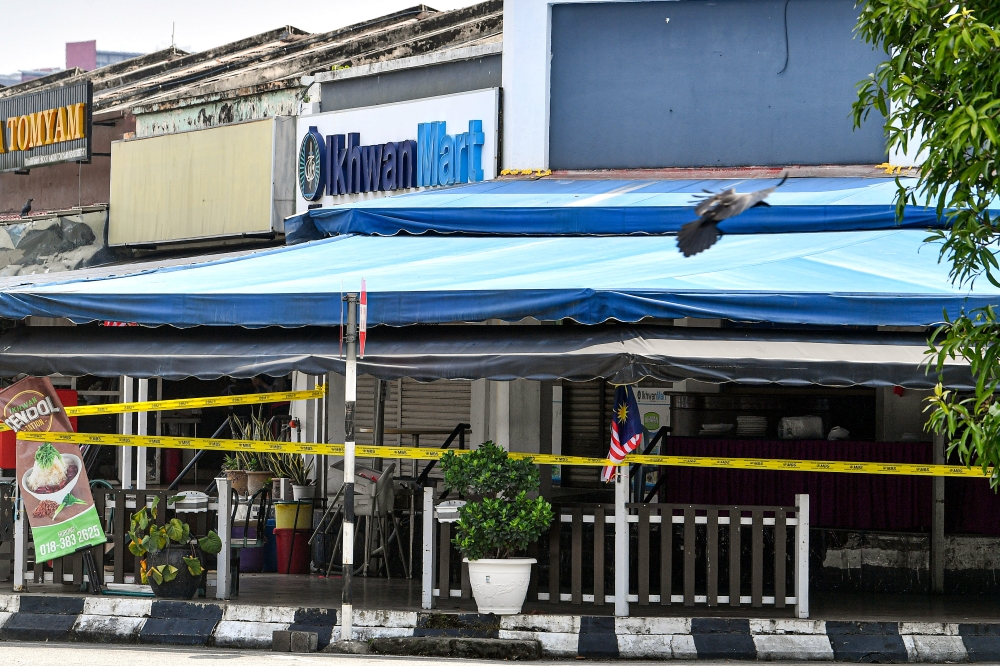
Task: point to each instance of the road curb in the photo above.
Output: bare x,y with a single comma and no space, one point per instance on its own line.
158,622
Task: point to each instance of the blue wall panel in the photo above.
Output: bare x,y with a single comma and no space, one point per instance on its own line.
630,89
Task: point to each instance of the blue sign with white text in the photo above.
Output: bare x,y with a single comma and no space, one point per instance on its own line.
340,165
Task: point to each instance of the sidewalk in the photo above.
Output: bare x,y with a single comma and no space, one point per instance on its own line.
402,594
843,627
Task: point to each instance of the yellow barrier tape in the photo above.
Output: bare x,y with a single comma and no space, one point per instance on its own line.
191,403
410,453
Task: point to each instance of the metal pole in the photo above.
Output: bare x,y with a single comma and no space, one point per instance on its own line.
621,541
937,520
20,542
427,572
802,556
126,469
350,398
223,574
142,429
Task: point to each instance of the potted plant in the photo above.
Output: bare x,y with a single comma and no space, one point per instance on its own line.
172,559
232,467
293,466
254,464
497,523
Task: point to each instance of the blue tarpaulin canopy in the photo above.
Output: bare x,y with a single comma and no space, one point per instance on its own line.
883,277
614,207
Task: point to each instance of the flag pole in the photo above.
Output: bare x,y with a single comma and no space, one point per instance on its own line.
350,399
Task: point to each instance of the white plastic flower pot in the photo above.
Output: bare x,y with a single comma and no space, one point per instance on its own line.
500,586
300,493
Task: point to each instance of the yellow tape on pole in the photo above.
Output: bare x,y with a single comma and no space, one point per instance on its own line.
191,403
410,453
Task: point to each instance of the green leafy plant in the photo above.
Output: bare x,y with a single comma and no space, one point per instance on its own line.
290,466
281,465
938,92
500,520
232,463
46,455
146,536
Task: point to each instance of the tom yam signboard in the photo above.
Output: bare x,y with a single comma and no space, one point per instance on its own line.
46,127
375,151
55,491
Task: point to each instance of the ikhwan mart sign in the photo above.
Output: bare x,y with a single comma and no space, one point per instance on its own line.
375,151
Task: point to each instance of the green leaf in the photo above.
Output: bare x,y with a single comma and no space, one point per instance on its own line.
193,566
68,500
157,539
169,572
156,573
175,530
210,543
46,455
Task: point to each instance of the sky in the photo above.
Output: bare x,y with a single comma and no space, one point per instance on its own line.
143,26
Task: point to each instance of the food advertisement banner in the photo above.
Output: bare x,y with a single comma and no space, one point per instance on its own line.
54,487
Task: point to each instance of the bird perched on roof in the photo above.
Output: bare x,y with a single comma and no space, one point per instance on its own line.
701,234
26,208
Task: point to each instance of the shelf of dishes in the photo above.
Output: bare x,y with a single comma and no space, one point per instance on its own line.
789,427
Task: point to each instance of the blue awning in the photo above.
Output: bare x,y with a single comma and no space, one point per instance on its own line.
887,277
613,207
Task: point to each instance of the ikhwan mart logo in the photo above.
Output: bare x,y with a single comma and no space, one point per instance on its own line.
446,160
339,165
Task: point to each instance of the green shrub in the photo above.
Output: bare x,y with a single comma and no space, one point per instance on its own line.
500,520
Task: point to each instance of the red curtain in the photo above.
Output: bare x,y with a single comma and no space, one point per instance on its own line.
849,501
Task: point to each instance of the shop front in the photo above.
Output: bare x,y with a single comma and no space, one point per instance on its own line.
793,328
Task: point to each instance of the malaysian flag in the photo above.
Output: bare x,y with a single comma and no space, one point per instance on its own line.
626,428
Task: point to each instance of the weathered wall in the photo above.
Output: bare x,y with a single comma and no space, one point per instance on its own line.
168,119
63,186
63,241
844,561
206,184
398,86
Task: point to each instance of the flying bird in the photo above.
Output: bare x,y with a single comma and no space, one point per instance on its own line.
26,208
701,234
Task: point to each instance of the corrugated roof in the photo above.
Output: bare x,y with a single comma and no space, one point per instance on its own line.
277,58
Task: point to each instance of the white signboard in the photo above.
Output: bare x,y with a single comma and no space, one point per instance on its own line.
654,405
396,148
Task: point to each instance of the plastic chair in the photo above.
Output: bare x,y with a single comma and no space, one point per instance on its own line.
379,513
263,500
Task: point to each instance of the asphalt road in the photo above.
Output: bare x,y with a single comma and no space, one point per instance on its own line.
55,654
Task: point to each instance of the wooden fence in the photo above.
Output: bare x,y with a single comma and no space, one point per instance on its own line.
677,554
112,558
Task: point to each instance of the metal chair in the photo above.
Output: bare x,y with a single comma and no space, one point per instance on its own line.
378,515
263,500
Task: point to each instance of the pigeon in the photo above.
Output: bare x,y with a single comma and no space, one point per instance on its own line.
701,234
26,208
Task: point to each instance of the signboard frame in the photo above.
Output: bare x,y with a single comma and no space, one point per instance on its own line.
60,107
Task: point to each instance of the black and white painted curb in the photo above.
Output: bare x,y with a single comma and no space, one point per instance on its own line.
755,639
125,620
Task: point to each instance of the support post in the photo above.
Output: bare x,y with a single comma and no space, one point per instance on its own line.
126,469
142,429
427,571
20,544
937,520
350,400
621,541
802,556
222,570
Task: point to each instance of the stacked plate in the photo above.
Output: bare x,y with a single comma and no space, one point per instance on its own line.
715,428
751,426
